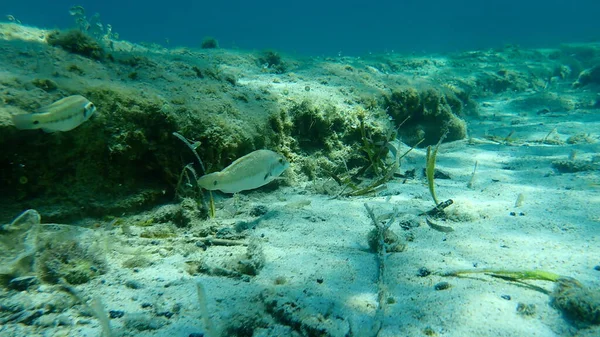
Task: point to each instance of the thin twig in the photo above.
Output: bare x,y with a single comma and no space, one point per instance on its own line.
382,293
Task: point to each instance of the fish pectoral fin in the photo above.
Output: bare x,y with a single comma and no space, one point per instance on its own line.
267,176
48,130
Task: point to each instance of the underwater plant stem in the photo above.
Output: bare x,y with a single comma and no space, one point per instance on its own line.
408,151
211,208
382,293
191,147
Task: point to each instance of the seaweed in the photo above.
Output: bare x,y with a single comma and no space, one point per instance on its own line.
375,152
509,275
189,173
430,169
192,147
438,209
577,302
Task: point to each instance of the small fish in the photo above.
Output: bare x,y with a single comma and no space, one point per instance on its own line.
63,115
251,171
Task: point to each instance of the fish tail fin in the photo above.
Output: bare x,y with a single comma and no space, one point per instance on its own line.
24,122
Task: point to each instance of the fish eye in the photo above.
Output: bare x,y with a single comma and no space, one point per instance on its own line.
215,183
36,122
281,161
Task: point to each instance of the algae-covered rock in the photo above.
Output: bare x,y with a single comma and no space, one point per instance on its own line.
125,148
69,253
306,315
45,84
77,42
315,128
577,302
572,166
427,114
123,159
503,80
181,215
270,59
543,101
322,138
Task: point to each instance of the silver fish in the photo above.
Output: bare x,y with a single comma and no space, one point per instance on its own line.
62,115
251,171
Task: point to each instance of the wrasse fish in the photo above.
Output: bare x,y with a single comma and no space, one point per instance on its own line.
63,115
251,171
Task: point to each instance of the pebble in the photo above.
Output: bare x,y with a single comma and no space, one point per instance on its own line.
167,314
442,286
116,313
53,320
48,320
44,288
423,272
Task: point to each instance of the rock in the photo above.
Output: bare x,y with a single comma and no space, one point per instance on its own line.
133,284
23,282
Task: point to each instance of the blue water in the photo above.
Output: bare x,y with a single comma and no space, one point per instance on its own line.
323,27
